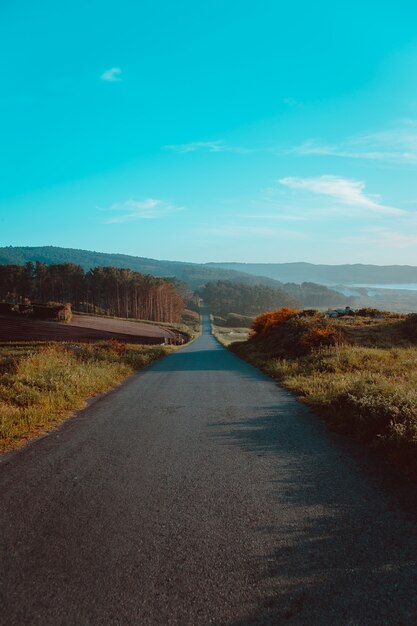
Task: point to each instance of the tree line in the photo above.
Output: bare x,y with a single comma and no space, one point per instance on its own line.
223,297
105,290
314,295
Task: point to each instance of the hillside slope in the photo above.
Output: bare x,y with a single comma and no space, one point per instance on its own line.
196,275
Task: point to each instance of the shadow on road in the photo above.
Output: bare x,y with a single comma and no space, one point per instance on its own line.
344,553
202,360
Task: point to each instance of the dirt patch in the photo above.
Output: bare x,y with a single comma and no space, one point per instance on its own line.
81,328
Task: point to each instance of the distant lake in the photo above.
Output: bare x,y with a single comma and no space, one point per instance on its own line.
372,290
410,286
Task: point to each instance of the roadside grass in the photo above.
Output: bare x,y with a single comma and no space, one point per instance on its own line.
362,390
227,336
41,384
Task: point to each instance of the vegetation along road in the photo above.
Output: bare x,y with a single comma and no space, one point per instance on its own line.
199,492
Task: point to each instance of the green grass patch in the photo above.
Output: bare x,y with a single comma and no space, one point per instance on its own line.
40,384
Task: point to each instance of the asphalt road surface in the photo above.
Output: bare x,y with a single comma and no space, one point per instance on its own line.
199,492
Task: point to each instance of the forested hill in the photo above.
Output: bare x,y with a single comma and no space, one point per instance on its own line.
327,274
196,275
225,297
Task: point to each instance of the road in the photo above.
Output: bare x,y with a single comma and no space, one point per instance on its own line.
199,492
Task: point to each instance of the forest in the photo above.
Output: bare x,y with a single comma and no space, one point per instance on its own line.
195,274
103,290
223,297
314,295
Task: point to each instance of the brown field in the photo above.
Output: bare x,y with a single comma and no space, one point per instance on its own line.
82,328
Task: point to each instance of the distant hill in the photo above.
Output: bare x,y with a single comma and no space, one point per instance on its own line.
305,282
327,274
196,275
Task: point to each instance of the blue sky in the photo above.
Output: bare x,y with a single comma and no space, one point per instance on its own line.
221,131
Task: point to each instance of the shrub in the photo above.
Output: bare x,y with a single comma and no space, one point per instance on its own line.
310,313
286,333
409,327
264,322
319,336
369,312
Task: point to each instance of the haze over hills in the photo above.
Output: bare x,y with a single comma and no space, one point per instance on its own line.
307,282
196,275
328,274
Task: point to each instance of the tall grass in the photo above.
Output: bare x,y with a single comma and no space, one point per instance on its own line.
369,393
41,384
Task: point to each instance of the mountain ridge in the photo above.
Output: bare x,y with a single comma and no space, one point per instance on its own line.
326,274
311,284
195,274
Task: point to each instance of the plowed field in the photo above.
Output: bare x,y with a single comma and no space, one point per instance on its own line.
82,328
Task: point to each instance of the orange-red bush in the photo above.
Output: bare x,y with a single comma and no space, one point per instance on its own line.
264,322
321,336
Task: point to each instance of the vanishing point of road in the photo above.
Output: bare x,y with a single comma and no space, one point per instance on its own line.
196,493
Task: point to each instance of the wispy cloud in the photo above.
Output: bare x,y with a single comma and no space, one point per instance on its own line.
207,146
398,144
133,210
354,152
343,190
112,75
382,237
273,217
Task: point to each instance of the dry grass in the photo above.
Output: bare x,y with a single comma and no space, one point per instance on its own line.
367,390
42,384
227,336
382,333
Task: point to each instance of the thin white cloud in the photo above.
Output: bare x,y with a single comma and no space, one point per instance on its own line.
398,144
314,148
112,75
217,145
134,210
344,190
382,237
273,216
